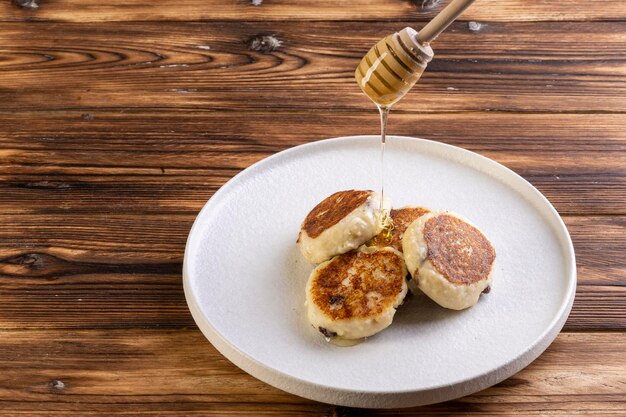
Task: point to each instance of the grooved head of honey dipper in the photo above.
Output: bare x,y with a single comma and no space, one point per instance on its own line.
392,67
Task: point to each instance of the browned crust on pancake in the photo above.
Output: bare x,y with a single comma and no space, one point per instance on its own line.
344,302
332,209
458,250
401,219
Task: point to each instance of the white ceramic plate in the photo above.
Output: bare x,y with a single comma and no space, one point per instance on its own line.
244,277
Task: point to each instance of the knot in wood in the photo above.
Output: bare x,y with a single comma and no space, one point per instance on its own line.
264,43
26,4
30,260
57,384
427,4
474,26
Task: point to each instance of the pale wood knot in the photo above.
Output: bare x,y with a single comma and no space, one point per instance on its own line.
26,4
474,26
57,384
264,43
427,4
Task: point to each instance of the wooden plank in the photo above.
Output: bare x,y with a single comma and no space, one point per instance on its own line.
418,10
177,372
102,269
151,116
170,162
541,66
600,244
107,168
100,242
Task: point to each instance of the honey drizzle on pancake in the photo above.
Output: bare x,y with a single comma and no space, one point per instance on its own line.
401,219
385,219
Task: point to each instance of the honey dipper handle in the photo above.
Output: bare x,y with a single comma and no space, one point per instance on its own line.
442,20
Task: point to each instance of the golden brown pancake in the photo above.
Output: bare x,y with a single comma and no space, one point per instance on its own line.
332,209
401,219
449,259
340,223
354,295
458,250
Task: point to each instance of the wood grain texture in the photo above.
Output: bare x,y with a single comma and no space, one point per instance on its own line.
368,10
109,270
177,372
540,66
98,203
119,119
170,162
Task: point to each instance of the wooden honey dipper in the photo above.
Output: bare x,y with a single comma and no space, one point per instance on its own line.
395,63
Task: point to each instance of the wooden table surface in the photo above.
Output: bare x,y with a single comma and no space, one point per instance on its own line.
120,118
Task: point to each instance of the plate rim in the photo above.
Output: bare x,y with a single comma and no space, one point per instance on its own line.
391,398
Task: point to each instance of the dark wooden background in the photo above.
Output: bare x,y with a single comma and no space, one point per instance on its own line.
120,118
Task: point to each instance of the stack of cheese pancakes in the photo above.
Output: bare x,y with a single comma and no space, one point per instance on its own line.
365,265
